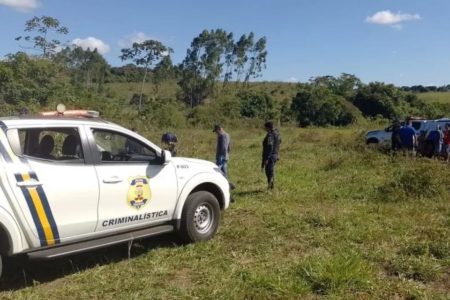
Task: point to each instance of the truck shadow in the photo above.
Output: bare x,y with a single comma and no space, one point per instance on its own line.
20,272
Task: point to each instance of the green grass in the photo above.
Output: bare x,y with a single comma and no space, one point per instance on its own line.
345,222
440,97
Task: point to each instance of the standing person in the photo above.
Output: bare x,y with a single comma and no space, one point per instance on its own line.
223,149
169,141
396,141
432,142
409,138
270,154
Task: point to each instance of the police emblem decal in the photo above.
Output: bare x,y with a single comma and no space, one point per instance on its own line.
139,193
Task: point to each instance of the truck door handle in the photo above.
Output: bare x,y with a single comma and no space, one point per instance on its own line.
112,179
28,183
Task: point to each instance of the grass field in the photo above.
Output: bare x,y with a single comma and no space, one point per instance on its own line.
440,97
345,222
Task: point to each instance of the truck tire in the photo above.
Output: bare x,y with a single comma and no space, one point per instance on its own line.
200,217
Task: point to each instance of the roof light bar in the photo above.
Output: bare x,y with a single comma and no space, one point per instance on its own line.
62,112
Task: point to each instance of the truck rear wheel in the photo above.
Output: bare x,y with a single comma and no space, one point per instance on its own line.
200,218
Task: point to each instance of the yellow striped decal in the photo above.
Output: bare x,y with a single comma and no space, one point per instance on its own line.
35,196
47,228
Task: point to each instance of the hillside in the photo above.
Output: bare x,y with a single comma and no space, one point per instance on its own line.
435,97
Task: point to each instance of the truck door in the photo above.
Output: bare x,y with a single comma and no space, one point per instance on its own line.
55,186
135,188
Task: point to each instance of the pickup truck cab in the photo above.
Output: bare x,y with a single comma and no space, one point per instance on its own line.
382,138
71,184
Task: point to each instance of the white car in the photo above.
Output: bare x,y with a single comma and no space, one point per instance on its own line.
71,184
383,137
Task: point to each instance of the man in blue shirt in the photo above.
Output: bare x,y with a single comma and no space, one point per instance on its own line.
408,138
223,152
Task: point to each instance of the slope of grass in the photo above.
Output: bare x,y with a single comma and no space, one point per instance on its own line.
345,222
439,97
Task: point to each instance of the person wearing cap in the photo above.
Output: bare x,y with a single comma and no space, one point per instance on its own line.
222,149
169,142
270,154
408,136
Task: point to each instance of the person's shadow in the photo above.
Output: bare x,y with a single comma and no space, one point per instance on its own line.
19,272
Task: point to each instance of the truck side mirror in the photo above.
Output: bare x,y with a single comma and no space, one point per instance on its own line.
166,157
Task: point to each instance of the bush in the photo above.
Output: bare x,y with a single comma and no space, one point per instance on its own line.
317,105
223,110
257,105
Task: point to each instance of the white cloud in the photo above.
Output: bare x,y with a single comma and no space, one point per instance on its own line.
292,79
92,43
386,17
21,5
137,37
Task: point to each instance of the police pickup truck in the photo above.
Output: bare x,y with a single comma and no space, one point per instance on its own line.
72,182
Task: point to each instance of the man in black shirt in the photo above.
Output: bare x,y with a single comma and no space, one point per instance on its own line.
270,154
396,141
169,141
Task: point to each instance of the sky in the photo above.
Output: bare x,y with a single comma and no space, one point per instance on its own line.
404,42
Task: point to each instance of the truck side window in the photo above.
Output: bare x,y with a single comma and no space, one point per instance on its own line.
55,144
117,147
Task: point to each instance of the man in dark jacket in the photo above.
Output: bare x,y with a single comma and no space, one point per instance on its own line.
169,141
270,154
396,140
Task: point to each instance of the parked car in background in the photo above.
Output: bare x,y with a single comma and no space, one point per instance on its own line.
382,138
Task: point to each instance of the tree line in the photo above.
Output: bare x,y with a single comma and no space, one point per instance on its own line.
213,83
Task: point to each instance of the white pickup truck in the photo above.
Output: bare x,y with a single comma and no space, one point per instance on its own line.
382,138
72,184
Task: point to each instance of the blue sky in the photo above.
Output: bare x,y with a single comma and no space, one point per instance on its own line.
405,42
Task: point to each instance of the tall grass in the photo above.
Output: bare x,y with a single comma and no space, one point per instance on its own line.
324,232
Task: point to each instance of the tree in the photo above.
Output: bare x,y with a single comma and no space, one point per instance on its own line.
27,80
345,85
381,99
257,60
45,29
317,105
127,73
88,68
203,64
163,71
240,52
145,54
257,105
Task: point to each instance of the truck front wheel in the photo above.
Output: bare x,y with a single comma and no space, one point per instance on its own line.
200,218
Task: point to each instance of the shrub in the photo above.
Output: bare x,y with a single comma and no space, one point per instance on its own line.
257,105
316,105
